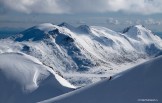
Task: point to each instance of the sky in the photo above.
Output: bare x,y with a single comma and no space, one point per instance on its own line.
113,14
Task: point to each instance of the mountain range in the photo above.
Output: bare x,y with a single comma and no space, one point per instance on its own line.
85,54
49,60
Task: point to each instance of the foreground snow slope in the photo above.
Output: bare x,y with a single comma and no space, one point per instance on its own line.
24,79
140,82
95,51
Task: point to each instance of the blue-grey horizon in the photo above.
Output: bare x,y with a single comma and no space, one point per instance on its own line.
114,14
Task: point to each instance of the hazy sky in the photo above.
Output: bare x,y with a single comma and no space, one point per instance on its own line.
114,14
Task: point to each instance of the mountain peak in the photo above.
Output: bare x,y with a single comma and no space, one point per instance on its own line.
64,24
133,27
84,28
139,26
37,32
137,31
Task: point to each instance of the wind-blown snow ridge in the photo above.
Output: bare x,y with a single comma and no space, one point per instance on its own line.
97,51
25,79
142,82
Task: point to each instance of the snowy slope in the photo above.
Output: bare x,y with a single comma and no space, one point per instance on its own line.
141,83
95,51
24,79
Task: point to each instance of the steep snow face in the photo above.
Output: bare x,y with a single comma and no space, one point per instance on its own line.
24,79
97,51
12,66
140,83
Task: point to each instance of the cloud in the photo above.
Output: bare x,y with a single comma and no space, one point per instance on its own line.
80,22
33,6
138,21
151,21
82,6
128,22
113,21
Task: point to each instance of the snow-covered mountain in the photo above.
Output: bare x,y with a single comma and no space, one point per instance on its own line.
139,84
24,79
85,54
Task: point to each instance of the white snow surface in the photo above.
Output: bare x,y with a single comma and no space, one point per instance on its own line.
95,51
141,83
24,79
